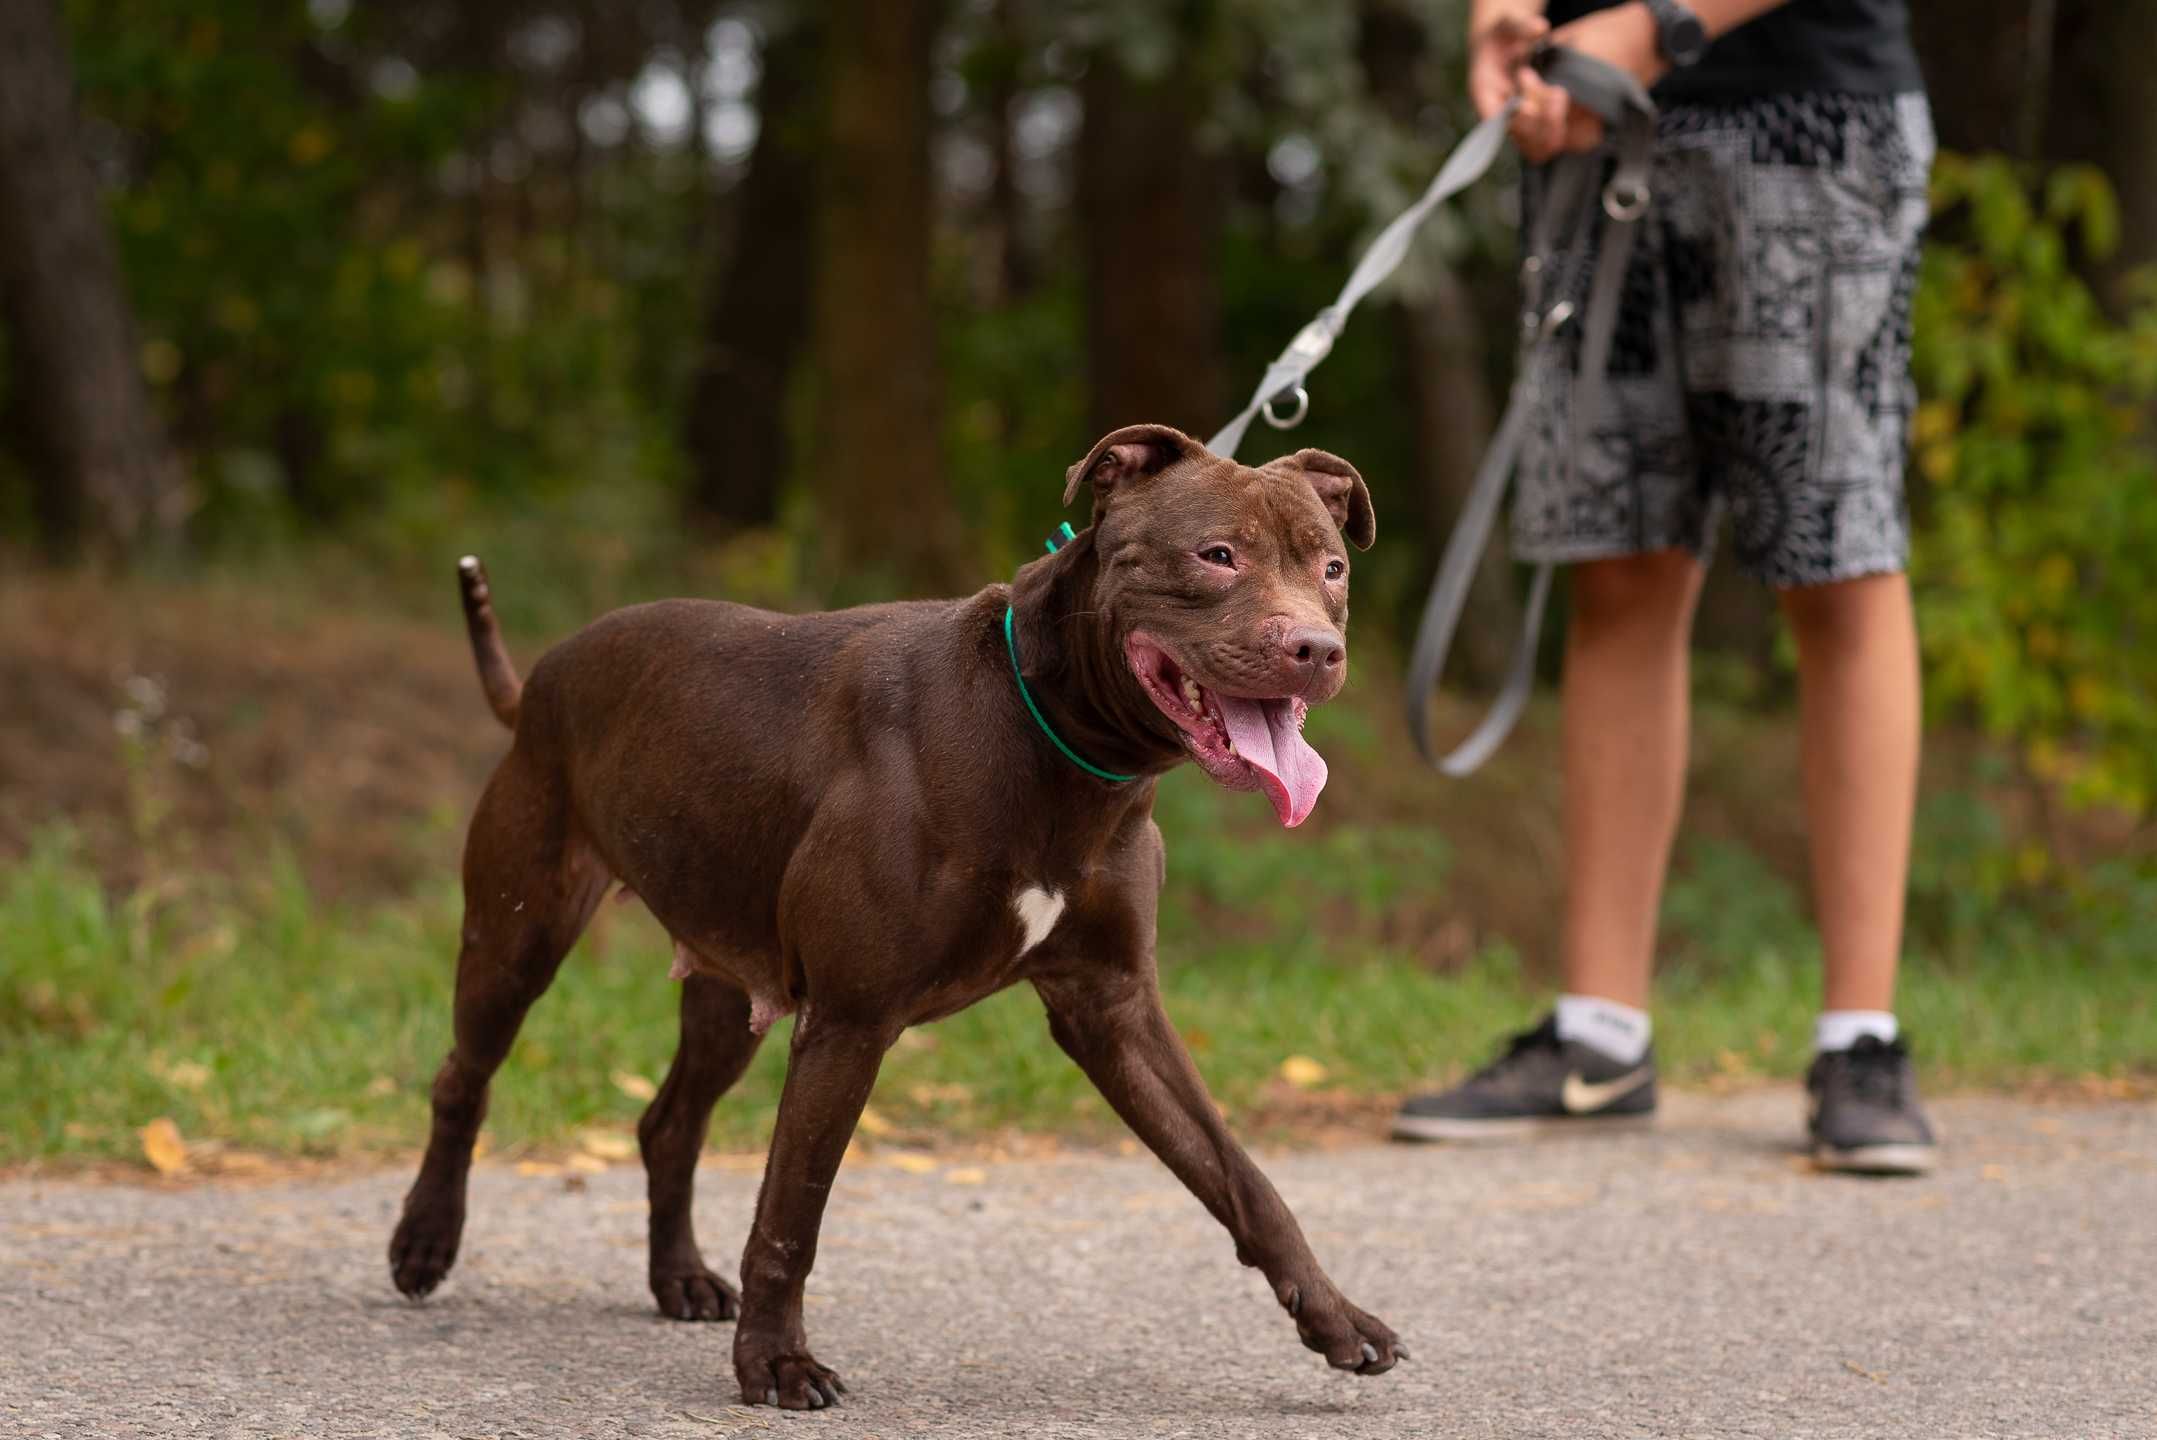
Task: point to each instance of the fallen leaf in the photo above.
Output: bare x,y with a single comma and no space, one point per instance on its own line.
872,1124
911,1163
1302,1071
1856,1369
606,1144
587,1164
163,1147
967,1175
538,1167
635,1086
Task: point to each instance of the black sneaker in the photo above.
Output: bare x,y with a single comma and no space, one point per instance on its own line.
1865,1115
1541,1082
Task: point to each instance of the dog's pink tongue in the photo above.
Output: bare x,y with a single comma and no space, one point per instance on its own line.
1267,737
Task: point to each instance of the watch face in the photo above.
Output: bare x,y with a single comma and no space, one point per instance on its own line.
1685,39
1678,32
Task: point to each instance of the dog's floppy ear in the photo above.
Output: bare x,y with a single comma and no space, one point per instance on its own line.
1342,490
1125,455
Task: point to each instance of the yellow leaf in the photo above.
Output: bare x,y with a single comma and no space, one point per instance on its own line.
537,1167
1302,1071
968,1175
872,1124
911,1163
635,1086
587,1164
607,1145
163,1147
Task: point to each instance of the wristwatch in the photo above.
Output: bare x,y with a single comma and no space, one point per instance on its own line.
1678,33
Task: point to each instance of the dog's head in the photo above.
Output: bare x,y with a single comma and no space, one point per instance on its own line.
1226,587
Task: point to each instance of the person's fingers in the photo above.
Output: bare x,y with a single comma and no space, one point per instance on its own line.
1583,128
1497,54
1539,126
1520,30
1489,87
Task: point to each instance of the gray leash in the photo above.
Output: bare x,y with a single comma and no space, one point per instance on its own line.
1629,118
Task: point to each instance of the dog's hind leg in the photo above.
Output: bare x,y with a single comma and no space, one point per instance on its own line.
529,889
716,1047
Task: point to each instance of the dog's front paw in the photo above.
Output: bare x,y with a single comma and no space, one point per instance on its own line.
424,1247
1350,1337
775,1372
694,1292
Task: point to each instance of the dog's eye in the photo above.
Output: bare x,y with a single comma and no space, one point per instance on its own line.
1217,555
1335,569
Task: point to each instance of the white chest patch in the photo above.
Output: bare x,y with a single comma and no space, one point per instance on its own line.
1038,912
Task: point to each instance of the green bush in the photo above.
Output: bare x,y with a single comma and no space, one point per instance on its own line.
2036,551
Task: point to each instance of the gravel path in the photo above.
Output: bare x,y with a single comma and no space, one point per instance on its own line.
1699,1281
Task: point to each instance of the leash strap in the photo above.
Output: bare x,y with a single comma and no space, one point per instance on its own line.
1285,376
1629,150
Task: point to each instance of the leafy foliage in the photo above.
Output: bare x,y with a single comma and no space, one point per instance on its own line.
2037,551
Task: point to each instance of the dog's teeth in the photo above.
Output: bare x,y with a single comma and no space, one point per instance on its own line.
1191,692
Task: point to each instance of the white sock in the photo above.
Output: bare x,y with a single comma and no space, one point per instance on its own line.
1619,1031
1840,1029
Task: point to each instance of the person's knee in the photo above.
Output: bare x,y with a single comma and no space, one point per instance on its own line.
1845,612
1630,594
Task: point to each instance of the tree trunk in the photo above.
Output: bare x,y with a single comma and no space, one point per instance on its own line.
1148,202
1975,55
736,428
101,466
2101,113
882,501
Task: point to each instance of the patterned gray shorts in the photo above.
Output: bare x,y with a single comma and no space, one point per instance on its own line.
1762,356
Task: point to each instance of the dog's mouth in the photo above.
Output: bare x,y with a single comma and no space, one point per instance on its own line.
1242,742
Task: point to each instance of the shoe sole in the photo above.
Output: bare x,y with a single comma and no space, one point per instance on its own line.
1524,1127
1876,1159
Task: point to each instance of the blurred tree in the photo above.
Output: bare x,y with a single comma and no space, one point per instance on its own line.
882,502
2100,113
100,465
1149,202
758,318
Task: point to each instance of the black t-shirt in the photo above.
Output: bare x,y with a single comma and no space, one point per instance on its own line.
1857,46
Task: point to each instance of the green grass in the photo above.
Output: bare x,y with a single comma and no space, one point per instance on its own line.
261,1019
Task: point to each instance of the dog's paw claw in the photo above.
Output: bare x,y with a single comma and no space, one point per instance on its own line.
802,1383
696,1295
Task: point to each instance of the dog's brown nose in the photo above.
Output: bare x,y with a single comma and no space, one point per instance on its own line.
1311,657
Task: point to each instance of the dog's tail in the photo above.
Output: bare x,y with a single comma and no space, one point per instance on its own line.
496,675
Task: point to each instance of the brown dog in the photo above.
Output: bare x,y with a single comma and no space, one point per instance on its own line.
867,818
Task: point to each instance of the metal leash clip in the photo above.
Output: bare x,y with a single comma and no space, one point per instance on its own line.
1302,400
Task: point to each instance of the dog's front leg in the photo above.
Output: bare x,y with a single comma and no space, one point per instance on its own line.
830,1071
1111,1022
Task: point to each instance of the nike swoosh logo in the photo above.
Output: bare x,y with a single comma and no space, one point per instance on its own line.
1581,1098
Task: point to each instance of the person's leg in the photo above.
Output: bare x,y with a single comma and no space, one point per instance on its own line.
1859,723
1626,711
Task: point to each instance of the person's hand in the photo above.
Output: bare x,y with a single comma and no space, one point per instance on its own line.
1548,123
1498,58
1498,70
